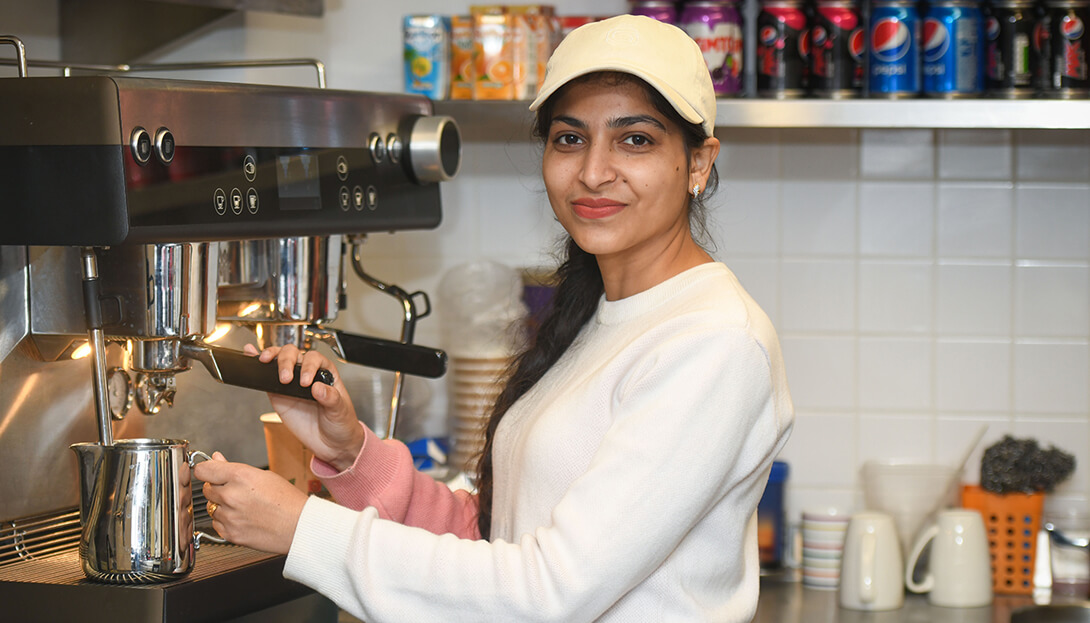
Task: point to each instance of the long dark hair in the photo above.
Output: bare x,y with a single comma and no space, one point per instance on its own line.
578,288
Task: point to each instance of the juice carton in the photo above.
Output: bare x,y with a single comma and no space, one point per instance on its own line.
532,41
493,52
462,65
427,55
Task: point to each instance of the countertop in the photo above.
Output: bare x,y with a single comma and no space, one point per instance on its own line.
785,600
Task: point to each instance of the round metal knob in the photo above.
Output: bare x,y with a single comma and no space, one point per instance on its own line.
435,149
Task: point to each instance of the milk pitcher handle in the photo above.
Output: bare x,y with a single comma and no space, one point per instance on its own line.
198,535
914,556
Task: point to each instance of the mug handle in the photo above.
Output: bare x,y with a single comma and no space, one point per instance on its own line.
928,582
198,535
197,453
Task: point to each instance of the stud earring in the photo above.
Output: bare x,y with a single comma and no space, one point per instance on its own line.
696,190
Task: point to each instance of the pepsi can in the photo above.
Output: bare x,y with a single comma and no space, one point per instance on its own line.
717,29
837,43
894,49
1009,54
1068,19
953,49
783,49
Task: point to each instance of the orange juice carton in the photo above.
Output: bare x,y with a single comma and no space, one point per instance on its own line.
532,41
461,66
493,53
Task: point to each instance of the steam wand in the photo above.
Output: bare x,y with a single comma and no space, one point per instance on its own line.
93,312
408,325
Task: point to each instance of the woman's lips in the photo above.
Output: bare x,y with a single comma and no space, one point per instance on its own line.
595,208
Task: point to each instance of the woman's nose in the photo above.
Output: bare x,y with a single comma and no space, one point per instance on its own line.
599,167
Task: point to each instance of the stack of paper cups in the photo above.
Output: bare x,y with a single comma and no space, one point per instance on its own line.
822,546
475,385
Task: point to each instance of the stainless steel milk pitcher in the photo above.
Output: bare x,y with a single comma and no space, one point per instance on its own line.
136,510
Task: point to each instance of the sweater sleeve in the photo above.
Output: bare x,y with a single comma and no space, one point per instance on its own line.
698,425
383,476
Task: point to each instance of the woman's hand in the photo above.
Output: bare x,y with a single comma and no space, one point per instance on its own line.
250,506
328,426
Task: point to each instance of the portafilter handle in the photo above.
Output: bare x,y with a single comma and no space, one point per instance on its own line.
232,367
383,354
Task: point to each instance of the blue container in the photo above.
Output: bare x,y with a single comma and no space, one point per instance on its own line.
953,49
771,532
894,49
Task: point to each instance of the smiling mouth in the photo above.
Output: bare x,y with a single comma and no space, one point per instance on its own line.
596,208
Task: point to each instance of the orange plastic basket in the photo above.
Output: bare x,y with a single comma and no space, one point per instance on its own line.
1012,521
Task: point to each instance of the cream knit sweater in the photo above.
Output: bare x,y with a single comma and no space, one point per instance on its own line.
626,482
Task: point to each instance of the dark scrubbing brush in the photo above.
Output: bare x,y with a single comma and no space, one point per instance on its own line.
1020,465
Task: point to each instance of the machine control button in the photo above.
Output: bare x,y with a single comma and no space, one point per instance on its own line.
378,147
140,143
249,168
236,201
342,168
219,201
252,201
372,198
357,197
345,197
164,145
393,147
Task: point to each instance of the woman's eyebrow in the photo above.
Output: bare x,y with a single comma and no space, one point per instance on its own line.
572,121
621,122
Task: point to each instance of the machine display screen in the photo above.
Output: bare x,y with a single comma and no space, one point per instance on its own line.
297,182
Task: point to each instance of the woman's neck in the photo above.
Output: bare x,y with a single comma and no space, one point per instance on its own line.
625,276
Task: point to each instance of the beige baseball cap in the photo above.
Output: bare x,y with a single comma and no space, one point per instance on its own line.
665,56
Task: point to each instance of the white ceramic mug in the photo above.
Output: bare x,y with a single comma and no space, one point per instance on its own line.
871,570
960,572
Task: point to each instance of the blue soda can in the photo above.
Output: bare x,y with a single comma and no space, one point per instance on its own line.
953,49
427,55
894,49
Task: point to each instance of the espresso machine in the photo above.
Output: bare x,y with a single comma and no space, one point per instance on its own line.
138,212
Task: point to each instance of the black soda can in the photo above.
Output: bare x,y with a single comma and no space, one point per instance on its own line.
1068,20
1009,56
783,49
1042,52
837,46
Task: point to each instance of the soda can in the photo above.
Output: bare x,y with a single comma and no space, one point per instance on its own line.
894,45
717,28
427,55
1042,52
1009,57
783,49
1069,19
953,49
837,44
662,10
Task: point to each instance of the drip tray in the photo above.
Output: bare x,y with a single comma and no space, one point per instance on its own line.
227,582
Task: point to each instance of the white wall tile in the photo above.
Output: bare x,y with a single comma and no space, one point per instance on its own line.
817,295
1052,221
975,154
744,218
895,373
835,464
1052,155
896,219
973,376
1052,300
897,154
895,296
975,220
821,371
955,432
819,218
896,437
749,153
1050,377
974,299
820,153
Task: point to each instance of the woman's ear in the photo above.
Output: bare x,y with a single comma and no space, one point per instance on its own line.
701,161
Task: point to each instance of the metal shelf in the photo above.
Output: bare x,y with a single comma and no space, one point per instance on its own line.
511,120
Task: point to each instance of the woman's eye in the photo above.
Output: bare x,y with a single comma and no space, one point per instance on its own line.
567,139
637,140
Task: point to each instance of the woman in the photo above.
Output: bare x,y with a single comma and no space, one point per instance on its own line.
626,456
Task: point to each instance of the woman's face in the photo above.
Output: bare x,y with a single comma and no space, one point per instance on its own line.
616,172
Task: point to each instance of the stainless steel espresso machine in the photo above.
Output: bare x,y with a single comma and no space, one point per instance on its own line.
136,212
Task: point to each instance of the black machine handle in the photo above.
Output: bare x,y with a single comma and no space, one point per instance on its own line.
386,354
232,367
